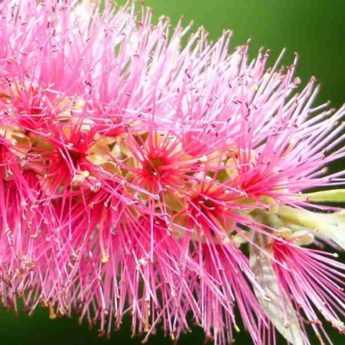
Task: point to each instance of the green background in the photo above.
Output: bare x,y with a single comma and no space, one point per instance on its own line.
313,28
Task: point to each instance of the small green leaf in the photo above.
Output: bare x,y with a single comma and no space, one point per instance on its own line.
324,225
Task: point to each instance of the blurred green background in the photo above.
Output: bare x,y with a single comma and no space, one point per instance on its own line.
313,28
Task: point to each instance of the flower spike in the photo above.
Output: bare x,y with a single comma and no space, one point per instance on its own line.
148,172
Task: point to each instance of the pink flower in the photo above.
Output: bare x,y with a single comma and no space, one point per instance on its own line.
314,282
166,180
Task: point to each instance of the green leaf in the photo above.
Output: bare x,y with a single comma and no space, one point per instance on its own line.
324,225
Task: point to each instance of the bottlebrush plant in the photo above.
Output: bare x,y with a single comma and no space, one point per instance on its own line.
167,179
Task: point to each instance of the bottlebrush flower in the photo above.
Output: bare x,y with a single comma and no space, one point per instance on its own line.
165,180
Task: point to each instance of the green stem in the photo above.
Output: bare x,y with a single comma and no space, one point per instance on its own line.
335,195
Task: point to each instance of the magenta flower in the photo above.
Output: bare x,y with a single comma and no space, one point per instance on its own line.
165,180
